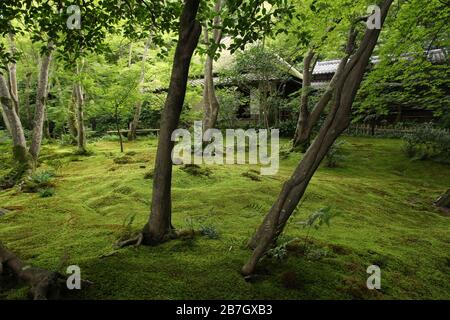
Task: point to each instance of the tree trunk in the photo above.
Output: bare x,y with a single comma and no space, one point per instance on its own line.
26,106
301,132
41,99
211,104
138,106
6,122
159,227
72,117
81,135
336,122
20,152
13,75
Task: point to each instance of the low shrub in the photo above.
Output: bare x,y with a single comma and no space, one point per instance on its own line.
428,143
196,170
39,183
46,192
335,155
210,232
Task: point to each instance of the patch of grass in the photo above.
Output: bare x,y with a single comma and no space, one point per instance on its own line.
378,223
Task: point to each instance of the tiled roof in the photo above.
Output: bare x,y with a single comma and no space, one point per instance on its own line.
330,66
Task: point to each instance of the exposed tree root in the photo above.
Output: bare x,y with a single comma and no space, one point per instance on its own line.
140,239
136,241
44,284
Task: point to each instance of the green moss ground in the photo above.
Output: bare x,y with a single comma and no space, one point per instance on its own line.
386,218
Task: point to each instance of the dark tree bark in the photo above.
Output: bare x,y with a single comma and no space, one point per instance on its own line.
347,85
211,104
138,106
41,100
159,227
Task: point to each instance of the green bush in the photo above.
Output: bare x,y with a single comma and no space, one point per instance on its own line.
210,232
110,137
39,183
46,192
335,155
428,143
66,140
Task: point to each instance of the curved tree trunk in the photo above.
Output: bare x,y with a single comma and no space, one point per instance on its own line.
41,99
301,132
159,227
336,122
138,106
210,102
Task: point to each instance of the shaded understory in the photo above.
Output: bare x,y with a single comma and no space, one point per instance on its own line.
384,201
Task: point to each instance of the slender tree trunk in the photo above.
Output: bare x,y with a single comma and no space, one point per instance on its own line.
13,75
26,106
119,133
211,104
302,132
336,122
159,227
72,117
41,99
6,121
138,106
81,135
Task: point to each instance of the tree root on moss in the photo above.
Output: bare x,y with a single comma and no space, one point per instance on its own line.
140,239
136,241
44,284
